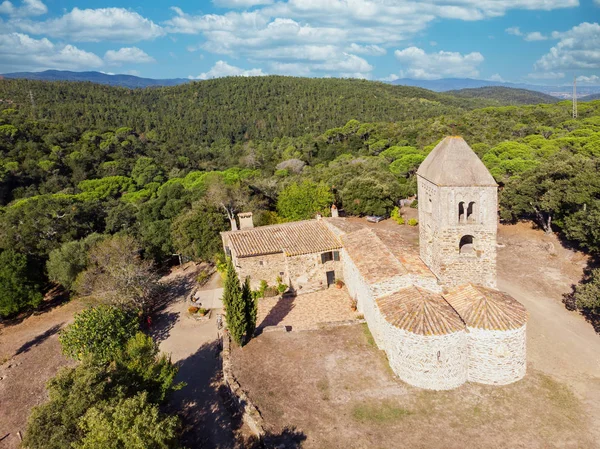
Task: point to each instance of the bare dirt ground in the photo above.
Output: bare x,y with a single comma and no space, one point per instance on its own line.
29,356
338,390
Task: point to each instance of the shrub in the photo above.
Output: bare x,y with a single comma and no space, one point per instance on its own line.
413,222
281,288
397,216
414,204
202,311
203,277
99,333
193,309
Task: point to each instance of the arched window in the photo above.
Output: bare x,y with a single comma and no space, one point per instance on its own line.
461,212
471,212
466,245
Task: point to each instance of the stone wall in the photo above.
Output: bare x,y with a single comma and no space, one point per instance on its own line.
441,229
497,357
267,267
307,273
432,362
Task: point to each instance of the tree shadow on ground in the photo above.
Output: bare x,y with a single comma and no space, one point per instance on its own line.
38,340
162,325
277,314
289,438
208,422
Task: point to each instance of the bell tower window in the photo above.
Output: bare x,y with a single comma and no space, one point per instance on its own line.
471,212
466,245
461,212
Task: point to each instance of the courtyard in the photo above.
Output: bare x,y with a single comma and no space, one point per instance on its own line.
303,312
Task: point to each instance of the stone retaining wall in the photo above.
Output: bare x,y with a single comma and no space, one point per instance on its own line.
497,357
250,413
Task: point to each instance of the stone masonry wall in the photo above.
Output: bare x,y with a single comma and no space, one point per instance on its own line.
266,267
497,357
436,362
414,358
306,273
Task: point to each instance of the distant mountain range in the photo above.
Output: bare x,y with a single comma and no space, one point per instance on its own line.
129,81
446,84
505,95
440,85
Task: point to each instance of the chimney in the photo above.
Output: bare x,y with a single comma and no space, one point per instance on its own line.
334,211
246,221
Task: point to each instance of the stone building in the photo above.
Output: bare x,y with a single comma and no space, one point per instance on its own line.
304,255
434,311
458,215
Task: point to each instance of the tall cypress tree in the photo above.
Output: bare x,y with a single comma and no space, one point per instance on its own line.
234,305
251,309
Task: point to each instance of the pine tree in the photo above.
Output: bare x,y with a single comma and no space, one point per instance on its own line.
251,309
234,305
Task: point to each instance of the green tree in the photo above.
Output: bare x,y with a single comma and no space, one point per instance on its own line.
98,333
370,195
65,263
146,171
235,307
129,423
118,275
302,201
195,234
18,287
251,308
587,294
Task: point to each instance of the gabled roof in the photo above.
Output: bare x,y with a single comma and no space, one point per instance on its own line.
292,239
453,163
381,255
420,311
486,308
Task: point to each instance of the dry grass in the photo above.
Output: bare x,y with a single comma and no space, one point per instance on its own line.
336,387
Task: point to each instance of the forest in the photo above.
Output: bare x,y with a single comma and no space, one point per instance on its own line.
81,164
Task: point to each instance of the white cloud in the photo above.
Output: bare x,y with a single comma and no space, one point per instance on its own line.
221,69
390,77
515,31
592,79
127,55
94,25
421,65
546,75
27,8
296,31
22,52
578,48
373,50
241,3
535,36
530,37
133,72
496,77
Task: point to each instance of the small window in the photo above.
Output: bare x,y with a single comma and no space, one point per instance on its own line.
227,251
261,263
336,256
471,212
461,212
281,273
326,257
466,245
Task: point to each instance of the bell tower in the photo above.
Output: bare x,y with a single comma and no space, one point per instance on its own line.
458,221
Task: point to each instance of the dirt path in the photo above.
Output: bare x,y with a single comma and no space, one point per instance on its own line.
29,356
194,347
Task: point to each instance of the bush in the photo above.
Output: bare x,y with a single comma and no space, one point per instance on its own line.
193,309
18,288
202,311
98,333
397,216
203,277
413,222
281,288
414,204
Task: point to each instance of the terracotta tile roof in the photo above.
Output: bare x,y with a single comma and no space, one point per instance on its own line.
344,226
486,308
420,311
382,255
293,239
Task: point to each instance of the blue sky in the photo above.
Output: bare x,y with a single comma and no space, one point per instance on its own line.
534,41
